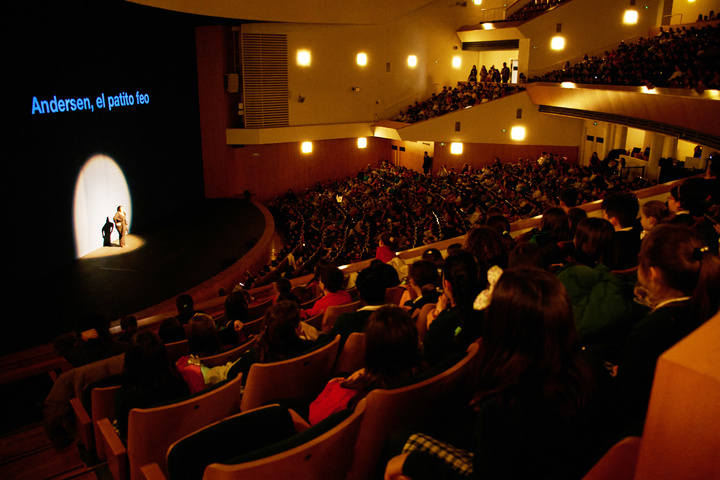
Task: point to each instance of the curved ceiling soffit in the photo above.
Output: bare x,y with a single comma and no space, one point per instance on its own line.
360,12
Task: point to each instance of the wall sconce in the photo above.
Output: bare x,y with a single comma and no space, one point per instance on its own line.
362,59
630,17
412,61
456,62
517,133
456,148
306,147
362,142
303,58
557,42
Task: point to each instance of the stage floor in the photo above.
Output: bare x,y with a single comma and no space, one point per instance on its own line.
158,263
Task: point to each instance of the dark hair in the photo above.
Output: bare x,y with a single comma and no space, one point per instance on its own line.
575,216
279,338
371,286
555,222
434,255
332,277
424,272
128,321
184,302
171,330
203,339
595,242
655,209
526,255
685,265
622,206
531,345
389,240
691,194
236,307
391,351
146,363
569,197
487,246
462,273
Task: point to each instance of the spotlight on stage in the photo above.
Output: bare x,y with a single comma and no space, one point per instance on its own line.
99,189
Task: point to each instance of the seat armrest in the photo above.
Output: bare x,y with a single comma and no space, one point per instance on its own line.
151,471
83,425
300,423
115,451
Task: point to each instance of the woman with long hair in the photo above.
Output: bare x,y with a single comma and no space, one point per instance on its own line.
391,355
682,281
535,392
147,378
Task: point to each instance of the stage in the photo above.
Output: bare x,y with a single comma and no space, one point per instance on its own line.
157,264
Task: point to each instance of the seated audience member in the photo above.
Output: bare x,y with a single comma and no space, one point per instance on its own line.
388,246
424,280
453,325
554,229
236,315
128,325
434,255
279,339
371,288
652,214
203,339
283,291
535,406
575,216
603,304
501,224
687,203
185,308
682,280
171,331
331,282
568,199
92,342
391,355
147,379
621,210
487,246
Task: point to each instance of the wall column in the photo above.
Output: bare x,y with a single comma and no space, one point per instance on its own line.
655,142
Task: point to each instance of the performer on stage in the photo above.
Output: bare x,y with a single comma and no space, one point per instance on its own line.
121,224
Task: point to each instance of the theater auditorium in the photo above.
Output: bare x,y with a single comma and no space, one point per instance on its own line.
411,239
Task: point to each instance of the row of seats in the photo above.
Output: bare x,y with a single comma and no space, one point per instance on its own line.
321,451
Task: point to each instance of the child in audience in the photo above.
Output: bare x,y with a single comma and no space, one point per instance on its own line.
331,282
652,213
534,412
682,280
391,355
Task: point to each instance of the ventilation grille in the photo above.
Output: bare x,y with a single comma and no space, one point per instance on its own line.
491,45
673,130
265,80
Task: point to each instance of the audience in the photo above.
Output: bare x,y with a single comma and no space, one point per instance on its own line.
536,394
90,343
391,355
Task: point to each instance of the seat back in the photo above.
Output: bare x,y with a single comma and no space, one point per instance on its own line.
316,321
228,438
229,356
152,430
257,310
326,455
618,463
406,408
175,350
299,378
394,294
253,327
352,356
332,313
